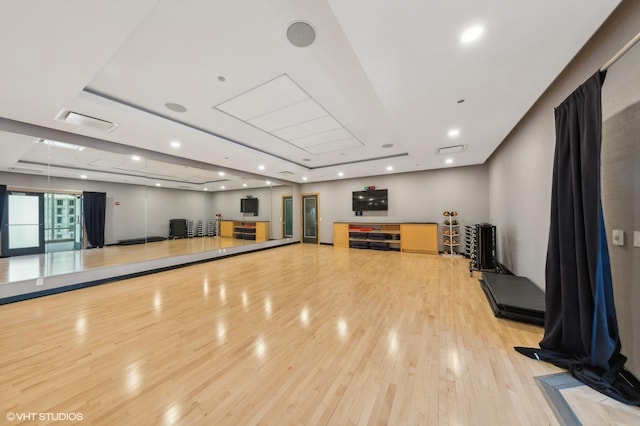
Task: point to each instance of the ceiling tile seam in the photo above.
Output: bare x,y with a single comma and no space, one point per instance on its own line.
268,112
303,122
254,88
316,134
327,131
333,141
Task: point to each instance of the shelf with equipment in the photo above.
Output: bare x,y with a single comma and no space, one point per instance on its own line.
257,231
451,232
406,237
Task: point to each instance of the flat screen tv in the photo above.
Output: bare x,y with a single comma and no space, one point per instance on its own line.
249,205
370,200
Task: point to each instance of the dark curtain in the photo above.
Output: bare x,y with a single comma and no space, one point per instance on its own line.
581,331
94,205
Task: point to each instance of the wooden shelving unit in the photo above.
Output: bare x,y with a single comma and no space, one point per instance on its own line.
257,231
409,237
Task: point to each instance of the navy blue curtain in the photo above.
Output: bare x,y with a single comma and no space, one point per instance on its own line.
581,330
94,206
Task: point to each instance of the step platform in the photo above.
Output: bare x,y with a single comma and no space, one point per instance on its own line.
513,297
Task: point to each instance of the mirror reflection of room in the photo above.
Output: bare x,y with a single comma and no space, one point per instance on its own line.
47,184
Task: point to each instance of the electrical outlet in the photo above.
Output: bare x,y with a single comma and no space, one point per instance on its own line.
636,238
618,237
39,281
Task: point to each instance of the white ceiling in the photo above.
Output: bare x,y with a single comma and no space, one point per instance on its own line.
378,87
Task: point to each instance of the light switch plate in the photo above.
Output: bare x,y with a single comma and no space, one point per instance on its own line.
618,237
636,238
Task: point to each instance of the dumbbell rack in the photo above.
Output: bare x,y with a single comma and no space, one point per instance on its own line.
470,240
450,234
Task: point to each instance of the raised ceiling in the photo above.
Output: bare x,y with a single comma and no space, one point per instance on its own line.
379,87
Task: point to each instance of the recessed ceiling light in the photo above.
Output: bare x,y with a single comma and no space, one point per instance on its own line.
158,184
221,186
453,133
244,184
261,167
471,34
304,178
387,145
175,144
136,158
220,173
340,174
206,189
175,107
83,176
268,182
449,161
389,168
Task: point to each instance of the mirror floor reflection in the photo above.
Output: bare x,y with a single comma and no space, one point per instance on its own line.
29,267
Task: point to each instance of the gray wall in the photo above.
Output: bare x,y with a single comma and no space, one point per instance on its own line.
621,192
413,197
520,172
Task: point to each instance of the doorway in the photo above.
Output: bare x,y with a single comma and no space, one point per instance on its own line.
63,222
310,219
287,217
23,227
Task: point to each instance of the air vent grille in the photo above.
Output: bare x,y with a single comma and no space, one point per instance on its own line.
82,120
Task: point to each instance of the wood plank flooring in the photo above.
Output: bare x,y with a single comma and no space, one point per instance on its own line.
300,334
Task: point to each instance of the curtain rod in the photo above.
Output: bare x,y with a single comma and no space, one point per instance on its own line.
621,52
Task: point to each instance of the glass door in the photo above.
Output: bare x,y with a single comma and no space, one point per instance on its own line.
63,224
23,230
287,217
310,219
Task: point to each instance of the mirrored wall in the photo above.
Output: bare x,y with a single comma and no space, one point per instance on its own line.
144,193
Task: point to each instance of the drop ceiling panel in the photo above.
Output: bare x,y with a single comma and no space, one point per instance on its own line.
271,96
308,128
321,138
334,146
289,116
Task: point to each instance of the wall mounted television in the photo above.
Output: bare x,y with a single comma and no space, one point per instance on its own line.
370,200
249,205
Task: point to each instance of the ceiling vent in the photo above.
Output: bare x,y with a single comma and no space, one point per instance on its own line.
451,149
82,120
23,170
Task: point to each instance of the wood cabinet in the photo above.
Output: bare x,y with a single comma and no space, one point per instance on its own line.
419,237
409,237
257,231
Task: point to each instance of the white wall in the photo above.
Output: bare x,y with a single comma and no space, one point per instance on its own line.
413,197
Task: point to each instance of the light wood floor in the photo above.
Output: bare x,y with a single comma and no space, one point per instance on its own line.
20,268
300,334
